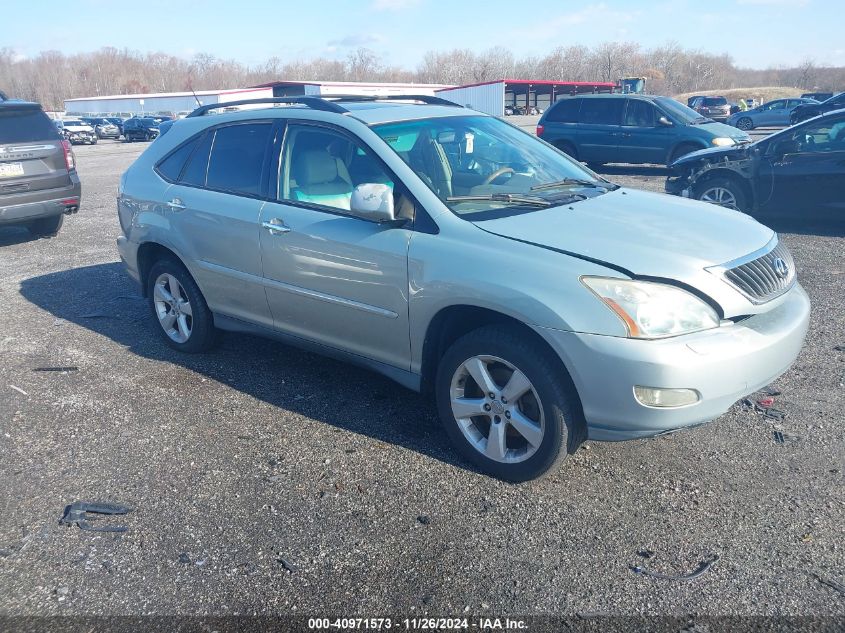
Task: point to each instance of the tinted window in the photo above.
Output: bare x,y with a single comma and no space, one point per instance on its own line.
602,111
172,166
237,157
565,111
25,125
715,101
639,113
194,173
322,166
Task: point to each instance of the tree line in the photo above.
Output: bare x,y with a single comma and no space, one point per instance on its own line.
51,77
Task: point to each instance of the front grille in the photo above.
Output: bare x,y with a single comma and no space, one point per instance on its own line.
764,278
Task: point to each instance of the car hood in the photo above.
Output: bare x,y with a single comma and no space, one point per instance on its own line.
722,129
645,235
717,153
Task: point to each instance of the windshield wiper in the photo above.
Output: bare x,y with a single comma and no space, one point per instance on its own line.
566,182
510,198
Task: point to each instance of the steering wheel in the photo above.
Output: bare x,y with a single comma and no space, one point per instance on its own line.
499,172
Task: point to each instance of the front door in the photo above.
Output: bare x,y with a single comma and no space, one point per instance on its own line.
330,276
642,139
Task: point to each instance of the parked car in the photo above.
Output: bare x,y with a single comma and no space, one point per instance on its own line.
817,96
692,99
140,129
461,256
808,111
102,127
716,108
508,110
38,179
78,132
620,128
773,114
799,171
116,120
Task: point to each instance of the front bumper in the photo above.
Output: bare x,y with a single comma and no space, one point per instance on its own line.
723,365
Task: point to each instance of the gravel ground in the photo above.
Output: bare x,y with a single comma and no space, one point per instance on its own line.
265,480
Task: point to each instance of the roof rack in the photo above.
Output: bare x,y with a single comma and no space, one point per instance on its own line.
316,103
327,103
427,99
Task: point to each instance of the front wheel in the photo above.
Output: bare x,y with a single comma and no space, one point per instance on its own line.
724,192
745,124
507,404
185,322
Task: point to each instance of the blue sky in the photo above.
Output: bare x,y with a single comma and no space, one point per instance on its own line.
757,33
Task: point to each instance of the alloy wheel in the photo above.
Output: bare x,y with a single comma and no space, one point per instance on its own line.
497,409
172,307
721,196
744,123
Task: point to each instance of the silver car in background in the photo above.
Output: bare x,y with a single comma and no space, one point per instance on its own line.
458,255
771,114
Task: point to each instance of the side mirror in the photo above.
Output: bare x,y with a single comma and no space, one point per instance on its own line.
665,122
373,201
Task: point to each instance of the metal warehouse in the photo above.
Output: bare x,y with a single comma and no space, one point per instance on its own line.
300,88
162,102
492,96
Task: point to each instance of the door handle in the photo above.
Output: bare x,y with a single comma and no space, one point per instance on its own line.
276,226
176,205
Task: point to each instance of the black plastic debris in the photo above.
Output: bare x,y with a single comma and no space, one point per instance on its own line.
423,519
839,348
702,568
766,411
288,567
645,553
830,583
76,513
71,368
184,558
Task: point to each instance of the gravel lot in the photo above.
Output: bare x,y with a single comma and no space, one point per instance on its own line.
266,480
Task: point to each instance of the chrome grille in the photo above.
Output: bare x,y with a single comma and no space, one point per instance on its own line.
765,277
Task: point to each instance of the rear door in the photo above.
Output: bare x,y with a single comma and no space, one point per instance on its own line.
31,154
599,129
214,208
642,139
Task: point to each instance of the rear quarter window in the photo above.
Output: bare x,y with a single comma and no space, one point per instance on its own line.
172,165
565,111
22,126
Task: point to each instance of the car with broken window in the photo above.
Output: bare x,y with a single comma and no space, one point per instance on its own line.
461,256
799,172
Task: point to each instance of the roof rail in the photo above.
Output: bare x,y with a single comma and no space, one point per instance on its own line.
428,99
316,103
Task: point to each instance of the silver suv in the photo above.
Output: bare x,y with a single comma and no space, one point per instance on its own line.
457,254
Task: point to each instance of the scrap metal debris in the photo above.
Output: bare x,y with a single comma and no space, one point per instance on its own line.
19,390
69,368
759,407
702,568
75,513
830,583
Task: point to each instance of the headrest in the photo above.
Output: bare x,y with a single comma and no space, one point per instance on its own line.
314,167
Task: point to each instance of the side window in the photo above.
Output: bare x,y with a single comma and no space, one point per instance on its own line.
237,158
775,105
322,166
821,137
565,111
639,113
194,172
171,166
602,111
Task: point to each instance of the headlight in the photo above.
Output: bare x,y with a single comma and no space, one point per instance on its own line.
653,310
722,141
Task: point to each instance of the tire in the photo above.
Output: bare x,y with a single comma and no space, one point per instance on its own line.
550,403
745,123
682,150
94,142
568,149
46,227
198,321
729,191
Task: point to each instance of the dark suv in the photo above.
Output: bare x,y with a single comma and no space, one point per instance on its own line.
140,129
38,179
619,128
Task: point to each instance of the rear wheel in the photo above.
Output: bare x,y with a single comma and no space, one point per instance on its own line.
745,124
722,191
507,404
185,322
46,227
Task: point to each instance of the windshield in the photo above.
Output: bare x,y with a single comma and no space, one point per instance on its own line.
67,123
488,163
678,110
715,101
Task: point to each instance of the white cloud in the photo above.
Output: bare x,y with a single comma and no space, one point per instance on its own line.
393,5
354,41
609,19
